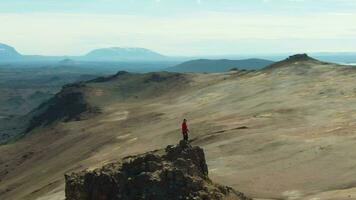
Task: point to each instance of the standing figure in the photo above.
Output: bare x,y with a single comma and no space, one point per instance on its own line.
185,130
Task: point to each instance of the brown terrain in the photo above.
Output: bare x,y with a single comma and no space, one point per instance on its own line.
285,132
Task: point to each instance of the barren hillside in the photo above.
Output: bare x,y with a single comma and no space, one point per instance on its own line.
286,132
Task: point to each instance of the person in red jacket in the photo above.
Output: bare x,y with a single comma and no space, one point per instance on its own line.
185,130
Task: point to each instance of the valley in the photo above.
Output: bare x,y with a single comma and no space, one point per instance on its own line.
23,89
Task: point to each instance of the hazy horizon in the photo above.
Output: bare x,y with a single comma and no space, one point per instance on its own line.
179,28
202,56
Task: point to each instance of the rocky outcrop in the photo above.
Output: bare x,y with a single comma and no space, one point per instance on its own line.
176,172
294,59
68,105
299,58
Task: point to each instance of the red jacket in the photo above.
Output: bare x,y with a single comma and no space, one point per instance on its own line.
184,128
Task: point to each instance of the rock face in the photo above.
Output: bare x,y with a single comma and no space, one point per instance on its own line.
67,105
177,172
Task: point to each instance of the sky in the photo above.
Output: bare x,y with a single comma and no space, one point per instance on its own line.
179,27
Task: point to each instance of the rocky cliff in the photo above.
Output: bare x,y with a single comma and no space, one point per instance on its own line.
176,172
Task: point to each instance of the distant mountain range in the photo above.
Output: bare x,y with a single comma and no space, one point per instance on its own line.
121,54
210,66
8,54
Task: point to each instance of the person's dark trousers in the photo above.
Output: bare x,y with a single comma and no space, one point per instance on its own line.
185,136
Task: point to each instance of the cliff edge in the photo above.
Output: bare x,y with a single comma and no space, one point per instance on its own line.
176,172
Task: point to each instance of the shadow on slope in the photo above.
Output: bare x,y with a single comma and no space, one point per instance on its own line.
68,105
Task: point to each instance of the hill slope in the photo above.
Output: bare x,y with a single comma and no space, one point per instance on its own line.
206,65
81,100
279,133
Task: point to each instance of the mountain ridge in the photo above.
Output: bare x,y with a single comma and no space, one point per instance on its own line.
73,103
219,65
127,55
137,54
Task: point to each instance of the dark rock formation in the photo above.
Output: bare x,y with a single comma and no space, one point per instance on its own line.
68,105
300,57
177,172
294,59
109,78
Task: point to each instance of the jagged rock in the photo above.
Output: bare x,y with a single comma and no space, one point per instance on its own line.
177,172
299,57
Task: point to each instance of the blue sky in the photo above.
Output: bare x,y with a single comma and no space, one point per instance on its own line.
179,27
